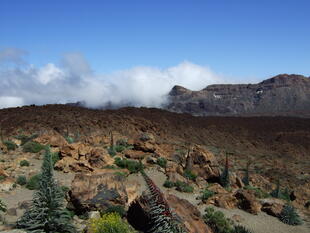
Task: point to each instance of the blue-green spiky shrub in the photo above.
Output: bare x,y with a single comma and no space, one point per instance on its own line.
47,213
289,216
241,229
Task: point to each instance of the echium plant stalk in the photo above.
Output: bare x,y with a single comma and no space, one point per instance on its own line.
163,220
224,178
47,213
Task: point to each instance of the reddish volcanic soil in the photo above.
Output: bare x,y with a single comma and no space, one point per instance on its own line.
279,146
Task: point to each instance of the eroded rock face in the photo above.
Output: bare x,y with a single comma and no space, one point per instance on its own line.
204,163
292,92
247,201
97,191
188,214
272,206
79,157
51,138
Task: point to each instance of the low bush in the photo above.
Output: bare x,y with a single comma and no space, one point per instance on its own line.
69,139
2,178
217,221
162,162
121,174
241,229
21,180
25,138
190,175
112,151
119,209
65,189
289,216
132,165
169,184
2,206
258,192
10,145
33,182
206,194
33,147
109,223
183,187
24,163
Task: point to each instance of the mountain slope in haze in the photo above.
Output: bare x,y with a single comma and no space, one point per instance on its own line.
286,95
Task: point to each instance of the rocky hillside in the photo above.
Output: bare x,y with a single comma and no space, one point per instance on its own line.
99,154
286,95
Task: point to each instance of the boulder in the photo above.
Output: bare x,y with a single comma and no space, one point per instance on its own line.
7,184
145,142
272,206
174,177
189,215
97,191
223,200
51,138
247,201
134,154
68,164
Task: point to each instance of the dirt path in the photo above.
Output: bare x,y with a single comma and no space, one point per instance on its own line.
261,223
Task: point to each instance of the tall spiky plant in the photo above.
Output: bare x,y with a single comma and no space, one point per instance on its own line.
246,178
47,213
163,220
224,178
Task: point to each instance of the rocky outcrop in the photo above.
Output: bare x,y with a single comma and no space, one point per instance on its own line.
188,214
97,191
281,95
247,201
272,206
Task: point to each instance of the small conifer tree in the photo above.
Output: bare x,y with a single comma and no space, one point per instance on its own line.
47,213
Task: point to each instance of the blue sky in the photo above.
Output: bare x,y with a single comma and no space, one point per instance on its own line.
235,38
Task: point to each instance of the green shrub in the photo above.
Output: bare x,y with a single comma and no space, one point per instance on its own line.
258,192
119,148
132,165
24,163
206,194
112,151
109,223
24,138
168,184
121,174
183,187
65,189
2,178
55,157
162,162
33,182
241,229
2,206
190,175
119,209
289,216
10,145
69,139
217,221
33,147
21,180
281,194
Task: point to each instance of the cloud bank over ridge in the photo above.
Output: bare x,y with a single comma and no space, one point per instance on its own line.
74,80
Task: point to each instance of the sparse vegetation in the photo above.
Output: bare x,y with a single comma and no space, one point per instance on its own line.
21,180
132,165
109,223
24,138
33,182
246,178
33,147
2,206
289,216
10,145
47,213
241,229
162,162
121,174
190,175
183,187
112,151
169,184
2,178
24,163
217,221
258,192
206,194
119,209
69,139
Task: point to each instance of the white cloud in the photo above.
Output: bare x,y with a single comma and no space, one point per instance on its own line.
10,101
75,81
49,73
12,55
